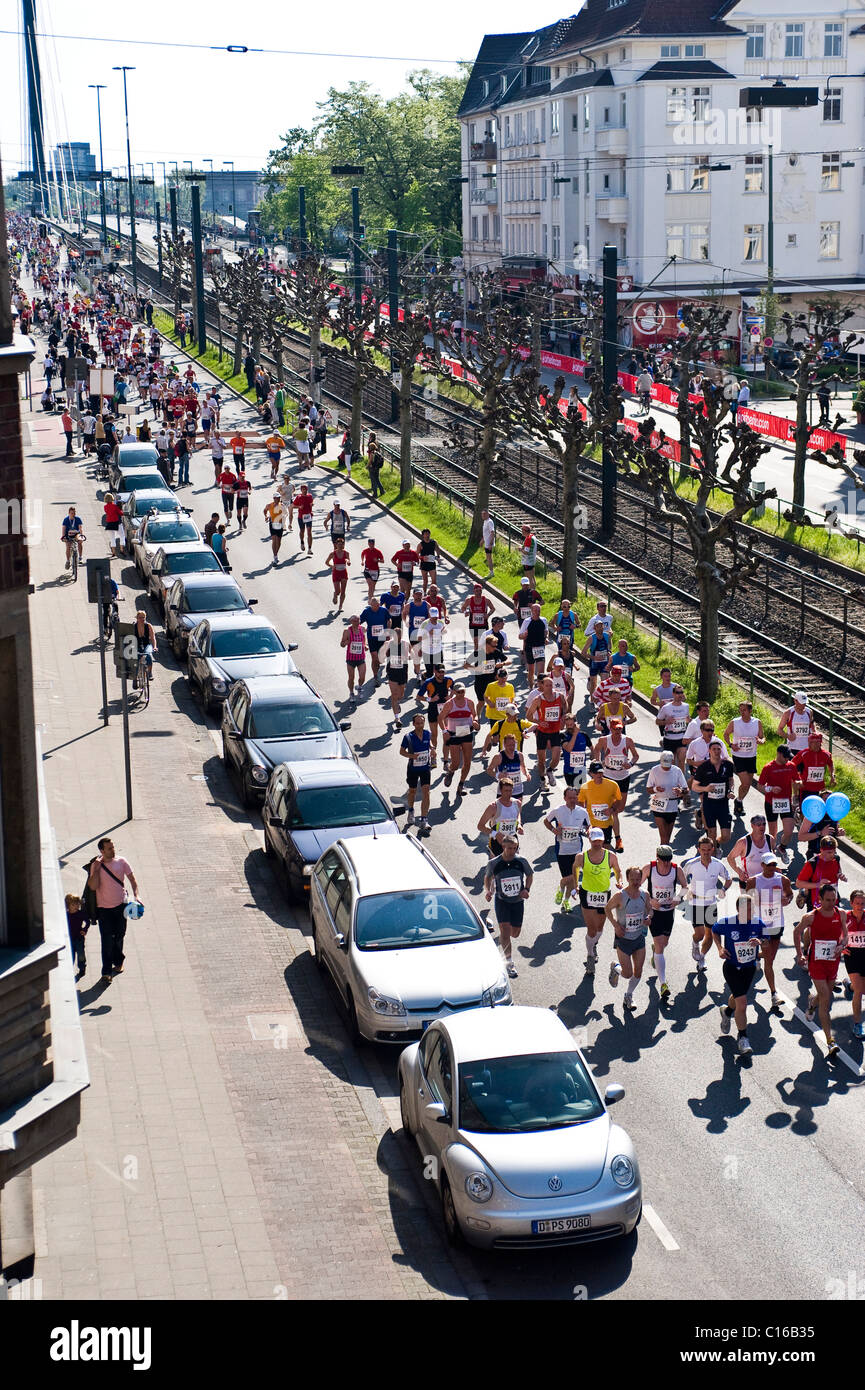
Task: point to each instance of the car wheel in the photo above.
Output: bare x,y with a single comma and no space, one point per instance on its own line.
403,1109
246,797
177,648
453,1230
354,1032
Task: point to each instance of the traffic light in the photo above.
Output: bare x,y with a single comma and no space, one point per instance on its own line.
361,232
319,373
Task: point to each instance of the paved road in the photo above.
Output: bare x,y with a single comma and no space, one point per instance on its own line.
736,1156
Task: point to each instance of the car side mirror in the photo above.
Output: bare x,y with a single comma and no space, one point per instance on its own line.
251,602
345,724
399,810
340,940
292,646
614,1093
436,1113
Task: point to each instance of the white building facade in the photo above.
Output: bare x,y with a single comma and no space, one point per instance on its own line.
614,126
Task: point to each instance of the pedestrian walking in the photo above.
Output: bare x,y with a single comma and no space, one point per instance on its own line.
66,424
107,877
489,532
77,922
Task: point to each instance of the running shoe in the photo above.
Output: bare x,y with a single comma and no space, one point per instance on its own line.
615,972
665,992
409,820
726,1019
628,1003
777,1000
590,965
560,893
696,953
833,1049
743,1044
702,966
738,808
512,969
449,777
859,1030
619,845
567,905
461,789
811,1009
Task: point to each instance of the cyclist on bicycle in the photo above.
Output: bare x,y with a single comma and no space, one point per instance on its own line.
73,530
644,389
146,639
110,600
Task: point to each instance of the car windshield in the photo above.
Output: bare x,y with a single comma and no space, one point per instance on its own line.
162,532
324,808
190,562
218,599
158,502
516,1095
434,918
289,721
142,480
245,641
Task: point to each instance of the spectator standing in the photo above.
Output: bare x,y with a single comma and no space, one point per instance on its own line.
107,879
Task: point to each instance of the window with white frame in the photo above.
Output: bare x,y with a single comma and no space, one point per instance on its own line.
698,241
670,50
700,103
485,228
700,174
753,247
585,112
555,111
472,133
833,38
496,227
755,40
753,173
675,239
794,41
830,173
676,173
832,104
474,229
830,240
572,69
677,105
555,241
695,50
507,130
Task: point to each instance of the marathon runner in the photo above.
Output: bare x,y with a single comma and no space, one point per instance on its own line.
672,720
428,551
854,956
596,650
595,867
374,619
528,553
274,515
393,601
665,786
405,560
568,823
561,668
811,832
274,445
738,940
713,780
813,765
618,754
430,640
217,455
237,444
338,522
771,892
459,720
417,612
242,489
435,692
697,752
614,707
667,887
436,600
534,634
600,616
796,723
524,598
662,693
303,504
600,796
372,560
746,856
509,762
565,623
497,695
630,911
501,818
549,723
744,735
707,879
512,876
824,868
777,782
397,652
354,642
478,609
575,753
415,747
227,482
821,935
625,660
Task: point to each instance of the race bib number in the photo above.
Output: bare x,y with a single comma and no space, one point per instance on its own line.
477,619
800,728
505,827
524,614
665,896
377,630
597,899
675,727
406,567
746,952
487,667
421,759
816,774
634,924
780,805
716,791
658,802
538,653
570,834
747,747
551,714
355,648
502,701
616,762
371,574
601,810
856,939
461,730
825,950
511,887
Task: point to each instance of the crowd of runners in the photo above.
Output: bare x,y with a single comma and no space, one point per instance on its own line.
540,702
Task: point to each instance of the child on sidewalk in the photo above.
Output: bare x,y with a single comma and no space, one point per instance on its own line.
78,923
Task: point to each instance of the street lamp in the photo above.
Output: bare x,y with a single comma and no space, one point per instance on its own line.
353,171
233,204
125,68
98,87
212,190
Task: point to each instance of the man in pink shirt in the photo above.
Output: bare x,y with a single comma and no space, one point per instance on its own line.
106,878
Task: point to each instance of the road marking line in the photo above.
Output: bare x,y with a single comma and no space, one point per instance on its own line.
659,1228
841,1055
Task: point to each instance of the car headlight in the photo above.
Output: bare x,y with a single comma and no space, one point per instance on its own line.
219,686
499,993
479,1187
384,1004
622,1170
259,773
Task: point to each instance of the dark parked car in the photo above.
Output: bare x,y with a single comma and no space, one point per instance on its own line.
183,557
196,596
230,647
276,719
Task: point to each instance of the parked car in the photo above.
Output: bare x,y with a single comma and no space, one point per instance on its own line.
196,596
161,530
233,646
180,557
276,719
139,480
400,939
309,805
143,503
127,456
525,1154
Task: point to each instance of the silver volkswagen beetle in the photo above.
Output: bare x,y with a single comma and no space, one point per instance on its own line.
522,1146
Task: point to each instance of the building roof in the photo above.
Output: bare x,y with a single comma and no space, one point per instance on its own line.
597,77
496,53
668,71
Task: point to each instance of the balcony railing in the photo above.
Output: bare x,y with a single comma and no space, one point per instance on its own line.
612,207
482,149
485,195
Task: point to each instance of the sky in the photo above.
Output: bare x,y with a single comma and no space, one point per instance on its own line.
191,103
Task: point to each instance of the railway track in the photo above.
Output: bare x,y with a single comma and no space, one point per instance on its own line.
748,652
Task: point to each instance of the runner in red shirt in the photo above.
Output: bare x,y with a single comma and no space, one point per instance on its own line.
777,782
813,767
372,561
405,561
549,716
823,935
477,608
302,503
241,491
228,482
338,562
824,868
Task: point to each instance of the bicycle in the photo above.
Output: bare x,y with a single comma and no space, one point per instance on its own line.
141,684
74,556
111,617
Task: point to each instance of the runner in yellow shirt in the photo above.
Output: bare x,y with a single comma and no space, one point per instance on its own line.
498,695
600,796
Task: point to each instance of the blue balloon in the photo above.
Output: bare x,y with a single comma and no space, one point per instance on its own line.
814,808
837,805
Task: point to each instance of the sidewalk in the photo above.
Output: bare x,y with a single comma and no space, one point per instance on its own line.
232,1144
